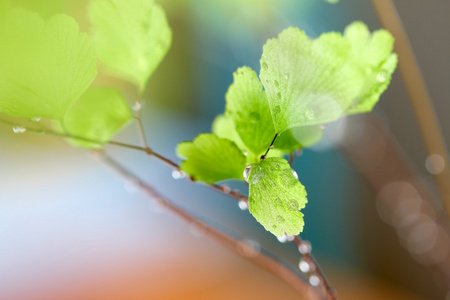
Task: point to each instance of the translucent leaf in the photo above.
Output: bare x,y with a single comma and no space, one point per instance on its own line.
97,116
372,53
132,37
308,81
299,138
276,196
44,66
247,106
210,158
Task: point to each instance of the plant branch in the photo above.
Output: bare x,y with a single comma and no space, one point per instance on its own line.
304,248
263,259
418,95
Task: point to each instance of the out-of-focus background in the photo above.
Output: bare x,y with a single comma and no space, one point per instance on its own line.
70,228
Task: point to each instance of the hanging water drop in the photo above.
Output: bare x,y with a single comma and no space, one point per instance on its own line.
136,106
295,174
304,266
247,172
226,189
304,247
19,129
314,280
177,174
282,239
243,204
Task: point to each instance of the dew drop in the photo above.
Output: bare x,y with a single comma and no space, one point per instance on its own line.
264,65
243,205
286,76
276,110
294,203
254,117
304,247
247,172
137,106
35,119
276,83
177,174
280,219
19,129
314,280
249,248
304,266
282,239
309,114
226,189
295,174
382,76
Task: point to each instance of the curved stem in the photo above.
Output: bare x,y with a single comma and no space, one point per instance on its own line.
263,259
315,268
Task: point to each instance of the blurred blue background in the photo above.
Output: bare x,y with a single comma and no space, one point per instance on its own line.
72,229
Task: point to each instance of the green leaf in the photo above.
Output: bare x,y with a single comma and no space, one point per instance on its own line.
44,66
97,116
224,128
211,158
372,53
132,37
276,196
299,138
307,81
247,106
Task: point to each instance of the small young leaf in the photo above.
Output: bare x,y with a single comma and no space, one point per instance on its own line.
276,196
132,37
211,158
373,55
299,138
307,81
247,106
97,116
44,66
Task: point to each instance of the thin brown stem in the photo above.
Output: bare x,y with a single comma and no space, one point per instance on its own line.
270,147
262,259
418,95
315,268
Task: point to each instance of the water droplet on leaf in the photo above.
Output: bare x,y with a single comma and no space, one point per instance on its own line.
276,110
382,76
280,219
264,65
286,76
295,174
247,172
19,129
276,83
35,119
282,239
